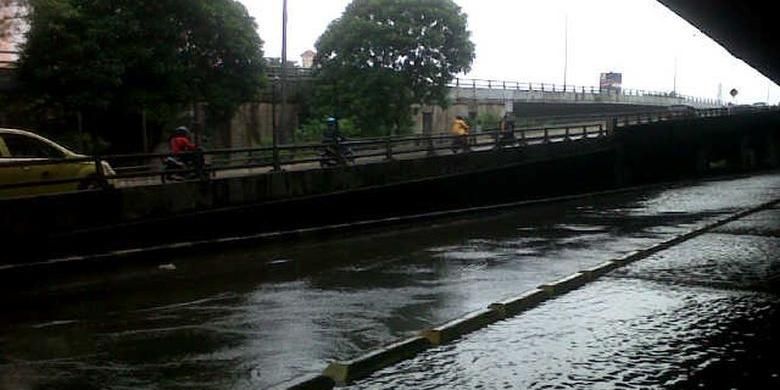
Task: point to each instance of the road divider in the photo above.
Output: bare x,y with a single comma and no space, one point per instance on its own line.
462,326
313,382
513,306
348,371
569,283
342,373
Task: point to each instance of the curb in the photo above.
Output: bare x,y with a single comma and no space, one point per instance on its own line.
562,286
342,373
464,325
313,382
511,307
345,372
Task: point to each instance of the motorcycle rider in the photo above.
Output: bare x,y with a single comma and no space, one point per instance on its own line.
184,152
332,139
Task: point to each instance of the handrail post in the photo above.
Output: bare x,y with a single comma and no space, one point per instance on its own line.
546,135
276,163
601,130
100,173
431,149
567,134
585,132
388,148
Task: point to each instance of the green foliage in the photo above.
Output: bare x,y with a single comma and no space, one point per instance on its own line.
488,121
110,59
312,130
383,56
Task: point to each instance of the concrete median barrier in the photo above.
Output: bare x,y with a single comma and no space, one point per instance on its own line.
600,270
348,371
513,306
566,284
313,382
464,325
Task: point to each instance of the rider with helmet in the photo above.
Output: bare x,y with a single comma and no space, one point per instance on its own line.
185,154
334,152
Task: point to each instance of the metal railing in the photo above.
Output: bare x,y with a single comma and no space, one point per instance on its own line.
569,88
8,59
148,169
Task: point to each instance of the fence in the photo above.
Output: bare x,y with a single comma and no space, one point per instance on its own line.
147,169
542,87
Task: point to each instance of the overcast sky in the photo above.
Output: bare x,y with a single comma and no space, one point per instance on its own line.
524,40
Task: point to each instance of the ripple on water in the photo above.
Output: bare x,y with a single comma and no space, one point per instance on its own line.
616,333
717,260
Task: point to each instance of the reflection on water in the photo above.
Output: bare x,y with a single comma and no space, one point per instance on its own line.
254,317
615,334
702,314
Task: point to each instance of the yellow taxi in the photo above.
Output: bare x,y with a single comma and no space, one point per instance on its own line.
28,161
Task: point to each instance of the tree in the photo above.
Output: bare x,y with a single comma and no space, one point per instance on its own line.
10,12
112,59
383,56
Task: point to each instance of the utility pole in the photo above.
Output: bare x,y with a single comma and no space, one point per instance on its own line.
283,86
565,51
768,89
674,87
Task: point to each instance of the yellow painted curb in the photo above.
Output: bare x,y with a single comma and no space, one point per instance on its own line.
562,286
513,306
348,371
454,329
600,270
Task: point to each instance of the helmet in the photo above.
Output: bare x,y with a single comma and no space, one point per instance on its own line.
182,130
330,120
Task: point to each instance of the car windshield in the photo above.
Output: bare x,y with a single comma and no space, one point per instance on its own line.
21,146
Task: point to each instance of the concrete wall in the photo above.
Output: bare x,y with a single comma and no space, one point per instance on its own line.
43,226
252,126
287,200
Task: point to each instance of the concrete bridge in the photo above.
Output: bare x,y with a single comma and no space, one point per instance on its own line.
629,150
465,90
527,100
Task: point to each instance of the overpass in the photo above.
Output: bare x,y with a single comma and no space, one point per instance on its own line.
747,28
528,100
464,90
258,191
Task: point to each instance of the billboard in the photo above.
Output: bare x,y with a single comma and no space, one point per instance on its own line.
611,81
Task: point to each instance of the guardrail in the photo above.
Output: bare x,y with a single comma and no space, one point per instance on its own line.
148,169
569,88
8,59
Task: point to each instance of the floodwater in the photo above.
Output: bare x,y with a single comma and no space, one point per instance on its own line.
258,317
704,314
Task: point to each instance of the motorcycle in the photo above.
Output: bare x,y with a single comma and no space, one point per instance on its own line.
189,167
334,155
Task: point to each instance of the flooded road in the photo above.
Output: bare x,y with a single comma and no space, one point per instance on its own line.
703,314
257,317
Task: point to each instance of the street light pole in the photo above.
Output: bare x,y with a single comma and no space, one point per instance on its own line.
566,51
674,87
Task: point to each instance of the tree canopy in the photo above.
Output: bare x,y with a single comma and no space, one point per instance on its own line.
382,56
121,56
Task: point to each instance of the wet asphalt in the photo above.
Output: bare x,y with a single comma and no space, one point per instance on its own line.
261,316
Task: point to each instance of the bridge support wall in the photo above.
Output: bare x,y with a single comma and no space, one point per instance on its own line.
97,221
